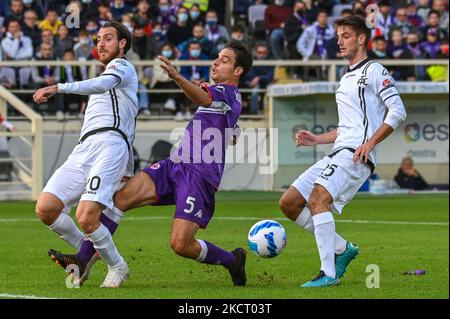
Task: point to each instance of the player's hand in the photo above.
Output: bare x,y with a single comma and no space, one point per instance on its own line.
44,94
305,138
167,66
362,152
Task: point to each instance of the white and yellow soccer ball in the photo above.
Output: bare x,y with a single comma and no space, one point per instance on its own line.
267,238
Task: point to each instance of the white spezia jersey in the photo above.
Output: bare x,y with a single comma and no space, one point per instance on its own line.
363,96
117,107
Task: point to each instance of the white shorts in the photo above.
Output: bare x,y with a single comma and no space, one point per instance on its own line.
339,175
92,171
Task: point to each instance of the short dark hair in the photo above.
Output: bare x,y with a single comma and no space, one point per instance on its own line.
122,32
244,58
356,23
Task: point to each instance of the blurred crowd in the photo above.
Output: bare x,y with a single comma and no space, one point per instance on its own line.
198,30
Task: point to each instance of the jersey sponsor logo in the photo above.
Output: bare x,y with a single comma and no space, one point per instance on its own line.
155,166
238,97
362,81
387,93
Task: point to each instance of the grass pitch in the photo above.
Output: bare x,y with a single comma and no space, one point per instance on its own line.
396,233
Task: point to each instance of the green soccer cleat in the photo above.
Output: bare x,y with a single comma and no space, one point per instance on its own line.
321,280
343,260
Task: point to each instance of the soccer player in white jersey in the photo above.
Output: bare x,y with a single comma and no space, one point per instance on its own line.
363,95
94,169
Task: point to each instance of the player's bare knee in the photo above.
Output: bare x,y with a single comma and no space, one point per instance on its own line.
289,207
120,200
86,221
46,213
179,246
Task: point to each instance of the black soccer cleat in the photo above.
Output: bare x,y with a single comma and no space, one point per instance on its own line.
237,271
64,261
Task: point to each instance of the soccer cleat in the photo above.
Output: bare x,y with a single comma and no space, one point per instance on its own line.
116,276
343,260
321,280
64,261
237,271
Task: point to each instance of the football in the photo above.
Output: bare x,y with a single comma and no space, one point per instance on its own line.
267,238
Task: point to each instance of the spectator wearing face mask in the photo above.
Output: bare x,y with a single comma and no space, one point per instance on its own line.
165,18
294,27
195,15
412,43
433,23
198,35
145,15
379,50
213,30
180,31
399,51
196,74
275,17
238,33
161,80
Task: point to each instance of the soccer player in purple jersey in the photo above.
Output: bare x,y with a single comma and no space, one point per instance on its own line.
192,174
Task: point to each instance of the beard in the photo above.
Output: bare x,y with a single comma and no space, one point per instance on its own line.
110,56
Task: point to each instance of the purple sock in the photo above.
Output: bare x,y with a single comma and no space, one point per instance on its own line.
218,256
87,249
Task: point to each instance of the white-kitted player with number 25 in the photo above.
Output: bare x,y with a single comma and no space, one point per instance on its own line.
94,169
364,95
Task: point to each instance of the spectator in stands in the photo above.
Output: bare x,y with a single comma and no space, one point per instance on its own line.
196,74
433,23
423,9
294,27
259,78
47,75
69,74
408,177
313,42
63,41
431,46
33,5
412,43
379,50
144,16
240,9
161,80
84,46
385,17
30,28
214,31
275,17
119,8
238,33
51,21
399,51
16,11
442,7
198,34
46,37
144,46
16,47
195,15
256,12
180,31
104,13
401,21
414,19
165,18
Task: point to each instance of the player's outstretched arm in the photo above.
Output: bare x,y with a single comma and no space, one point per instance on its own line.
306,138
194,92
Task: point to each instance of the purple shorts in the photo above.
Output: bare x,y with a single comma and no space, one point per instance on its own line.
177,184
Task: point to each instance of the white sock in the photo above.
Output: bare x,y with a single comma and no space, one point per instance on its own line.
305,221
115,215
324,230
104,244
65,228
204,251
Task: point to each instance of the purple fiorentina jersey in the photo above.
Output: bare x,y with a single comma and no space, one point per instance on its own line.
205,140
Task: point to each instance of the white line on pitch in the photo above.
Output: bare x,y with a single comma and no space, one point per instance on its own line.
24,296
354,221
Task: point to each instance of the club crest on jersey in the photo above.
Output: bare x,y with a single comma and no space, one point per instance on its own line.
362,81
155,166
387,83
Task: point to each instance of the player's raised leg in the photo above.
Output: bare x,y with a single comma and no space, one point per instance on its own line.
183,243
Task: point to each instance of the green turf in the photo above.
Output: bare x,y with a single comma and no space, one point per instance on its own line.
156,272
